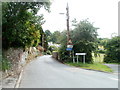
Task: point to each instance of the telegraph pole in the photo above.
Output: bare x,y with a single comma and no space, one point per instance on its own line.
68,30
69,41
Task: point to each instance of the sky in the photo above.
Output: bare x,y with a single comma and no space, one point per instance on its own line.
102,13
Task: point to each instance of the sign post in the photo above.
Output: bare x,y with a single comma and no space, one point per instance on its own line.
84,59
69,47
73,58
77,58
83,56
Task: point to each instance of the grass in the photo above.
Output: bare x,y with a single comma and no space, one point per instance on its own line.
97,65
5,64
94,66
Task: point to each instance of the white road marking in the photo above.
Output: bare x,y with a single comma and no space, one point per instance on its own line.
113,78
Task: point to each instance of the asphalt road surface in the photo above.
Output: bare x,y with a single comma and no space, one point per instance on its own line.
45,72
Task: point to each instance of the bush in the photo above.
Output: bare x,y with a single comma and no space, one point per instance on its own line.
6,65
101,51
112,50
52,48
48,52
64,55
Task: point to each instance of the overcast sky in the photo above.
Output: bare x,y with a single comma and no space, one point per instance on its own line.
104,14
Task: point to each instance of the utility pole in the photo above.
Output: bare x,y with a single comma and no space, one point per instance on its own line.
68,30
69,41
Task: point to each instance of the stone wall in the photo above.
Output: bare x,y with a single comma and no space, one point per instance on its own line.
19,57
14,56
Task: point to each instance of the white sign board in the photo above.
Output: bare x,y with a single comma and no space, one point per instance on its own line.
80,54
83,56
69,46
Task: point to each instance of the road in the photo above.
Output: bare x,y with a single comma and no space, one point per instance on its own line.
45,72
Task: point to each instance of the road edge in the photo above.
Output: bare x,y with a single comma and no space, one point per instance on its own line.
19,79
83,68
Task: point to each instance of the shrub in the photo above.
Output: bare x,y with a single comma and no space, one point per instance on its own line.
6,65
113,50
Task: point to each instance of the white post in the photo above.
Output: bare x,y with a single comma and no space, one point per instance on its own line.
70,53
73,57
77,58
84,59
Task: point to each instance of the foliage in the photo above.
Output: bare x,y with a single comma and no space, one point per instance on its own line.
44,42
52,48
53,37
113,50
48,35
21,27
48,52
56,37
84,38
99,58
102,41
63,54
6,65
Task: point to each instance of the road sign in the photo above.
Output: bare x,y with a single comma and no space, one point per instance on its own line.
80,54
69,46
83,56
69,49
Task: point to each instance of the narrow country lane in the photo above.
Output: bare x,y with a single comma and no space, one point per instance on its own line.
45,72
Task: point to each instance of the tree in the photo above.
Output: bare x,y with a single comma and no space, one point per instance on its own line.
113,50
20,23
53,37
48,35
84,38
56,37
74,22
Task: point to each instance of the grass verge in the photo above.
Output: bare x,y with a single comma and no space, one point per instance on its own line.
95,66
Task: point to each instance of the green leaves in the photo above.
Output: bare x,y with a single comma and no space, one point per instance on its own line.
54,37
84,37
112,50
21,27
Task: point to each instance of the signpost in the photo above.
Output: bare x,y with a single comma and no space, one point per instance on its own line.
69,47
73,58
83,56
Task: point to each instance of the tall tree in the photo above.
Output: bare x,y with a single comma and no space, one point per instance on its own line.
48,35
113,50
84,38
19,23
